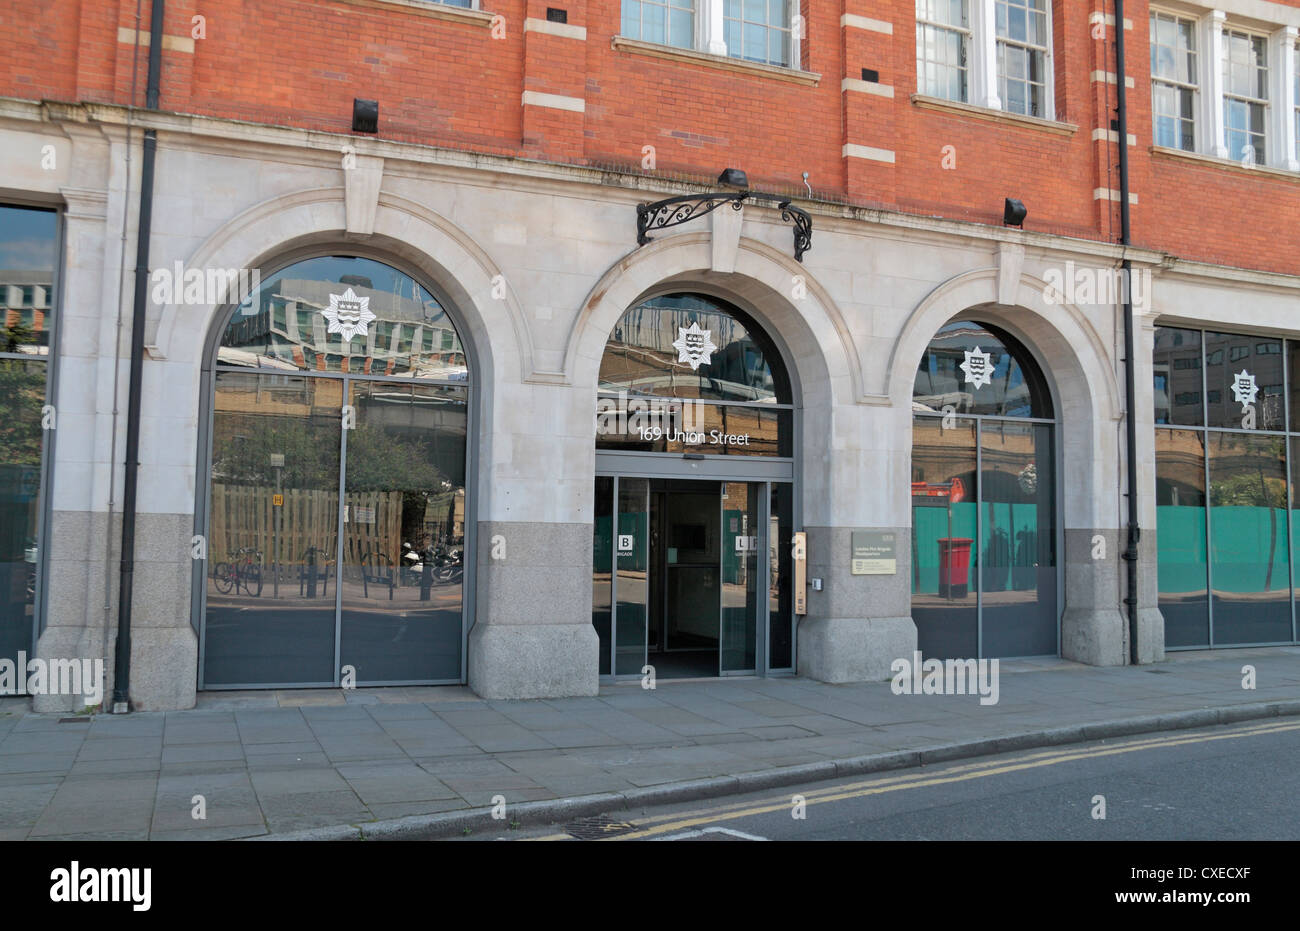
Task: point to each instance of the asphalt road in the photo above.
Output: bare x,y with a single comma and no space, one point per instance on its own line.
1238,782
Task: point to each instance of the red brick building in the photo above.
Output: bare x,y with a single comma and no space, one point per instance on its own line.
491,213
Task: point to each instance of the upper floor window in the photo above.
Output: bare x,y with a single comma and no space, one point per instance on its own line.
670,22
992,53
762,31
943,35
1226,90
1245,95
1174,81
758,30
1023,44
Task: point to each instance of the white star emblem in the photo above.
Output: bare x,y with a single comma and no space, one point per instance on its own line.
1244,388
693,345
348,314
978,368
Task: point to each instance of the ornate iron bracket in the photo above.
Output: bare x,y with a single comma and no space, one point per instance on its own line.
675,211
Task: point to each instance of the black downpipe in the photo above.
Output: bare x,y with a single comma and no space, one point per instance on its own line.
122,649
1130,391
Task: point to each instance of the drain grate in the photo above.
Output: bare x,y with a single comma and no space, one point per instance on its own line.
598,826
74,720
1158,672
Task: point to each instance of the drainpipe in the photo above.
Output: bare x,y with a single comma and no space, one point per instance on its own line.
1130,392
122,650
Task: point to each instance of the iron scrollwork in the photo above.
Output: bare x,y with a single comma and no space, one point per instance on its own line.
677,210
674,211
802,228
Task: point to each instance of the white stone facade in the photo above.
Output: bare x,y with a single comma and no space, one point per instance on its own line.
854,316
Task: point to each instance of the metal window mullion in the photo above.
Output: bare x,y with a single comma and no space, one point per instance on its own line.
613,582
1286,458
338,543
979,520
763,595
1205,466
645,592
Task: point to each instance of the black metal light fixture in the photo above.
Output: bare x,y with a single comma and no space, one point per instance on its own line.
365,116
1014,213
674,211
734,178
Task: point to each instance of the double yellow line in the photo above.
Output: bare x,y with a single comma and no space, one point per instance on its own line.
658,825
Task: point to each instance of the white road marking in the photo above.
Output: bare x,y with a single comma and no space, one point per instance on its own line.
685,835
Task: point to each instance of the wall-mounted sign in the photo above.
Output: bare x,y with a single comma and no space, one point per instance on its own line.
626,542
746,544
799,556
875,552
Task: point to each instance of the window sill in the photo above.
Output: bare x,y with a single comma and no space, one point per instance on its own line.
995,116
431,10
691,56
1182,155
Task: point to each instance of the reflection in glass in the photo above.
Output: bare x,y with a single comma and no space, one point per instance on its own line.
692,346
641,425
297,320
404,533
1180,531
1248,539
632,553
740,536
22,395
1238,368
944,495
1013,386
28,252
780,593
602,556
1176,367
1017,539
275,438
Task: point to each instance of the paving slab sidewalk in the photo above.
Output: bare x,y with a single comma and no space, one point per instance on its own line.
425,762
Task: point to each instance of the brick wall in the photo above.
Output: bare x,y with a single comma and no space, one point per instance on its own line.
490,83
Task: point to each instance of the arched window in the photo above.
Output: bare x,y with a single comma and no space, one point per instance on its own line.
984,518
336,505
687,373
344,314
975,368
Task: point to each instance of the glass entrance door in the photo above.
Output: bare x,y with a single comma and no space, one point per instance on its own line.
676,577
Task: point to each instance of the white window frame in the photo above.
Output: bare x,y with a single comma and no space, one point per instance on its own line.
1280,129
1266,103
1287,130
1044,50
966,34
793,8
1198,131
710,32
982,80
668,6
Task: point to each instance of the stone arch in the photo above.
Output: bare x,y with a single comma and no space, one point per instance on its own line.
1072,355
404,230
812,330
